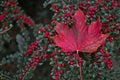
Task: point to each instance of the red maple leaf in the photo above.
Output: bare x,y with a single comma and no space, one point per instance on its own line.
80,37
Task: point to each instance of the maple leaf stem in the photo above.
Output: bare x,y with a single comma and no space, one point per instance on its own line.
80,72
80,67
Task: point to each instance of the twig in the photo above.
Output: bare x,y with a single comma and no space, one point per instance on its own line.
63,2
7,77
110,77
2,32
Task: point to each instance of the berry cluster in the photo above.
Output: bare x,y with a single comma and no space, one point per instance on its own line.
106,58
31,48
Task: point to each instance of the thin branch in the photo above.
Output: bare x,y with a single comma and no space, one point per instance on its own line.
7,77
63,2
2,32
110,77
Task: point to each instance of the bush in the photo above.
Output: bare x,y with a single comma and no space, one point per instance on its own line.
60,40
